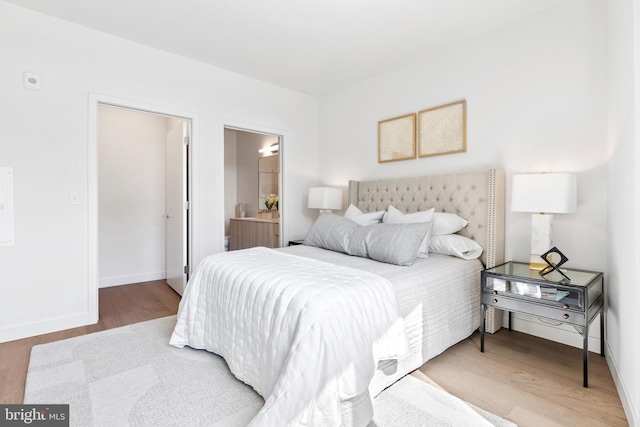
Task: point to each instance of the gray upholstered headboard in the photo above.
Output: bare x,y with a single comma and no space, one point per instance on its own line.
477,197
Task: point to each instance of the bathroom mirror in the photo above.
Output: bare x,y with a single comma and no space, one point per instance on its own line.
268,177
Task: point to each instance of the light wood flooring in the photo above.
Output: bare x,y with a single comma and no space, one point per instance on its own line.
119,306
528,380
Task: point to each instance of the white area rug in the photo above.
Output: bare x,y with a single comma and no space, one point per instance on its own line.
131,376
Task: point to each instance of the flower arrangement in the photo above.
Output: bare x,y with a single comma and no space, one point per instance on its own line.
270,201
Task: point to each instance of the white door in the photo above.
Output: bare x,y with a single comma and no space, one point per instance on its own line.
176,204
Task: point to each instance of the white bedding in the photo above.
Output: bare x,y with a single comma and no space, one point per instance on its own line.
438,299
316,343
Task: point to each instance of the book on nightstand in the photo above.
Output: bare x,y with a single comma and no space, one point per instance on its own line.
552,294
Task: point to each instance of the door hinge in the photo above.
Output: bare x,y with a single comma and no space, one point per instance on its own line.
186,140
186,205
186,269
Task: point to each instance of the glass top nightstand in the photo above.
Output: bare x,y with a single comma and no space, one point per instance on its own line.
514,287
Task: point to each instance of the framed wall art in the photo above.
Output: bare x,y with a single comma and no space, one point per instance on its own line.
397,138
443,129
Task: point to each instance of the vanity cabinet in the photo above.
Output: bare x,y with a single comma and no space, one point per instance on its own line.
251,232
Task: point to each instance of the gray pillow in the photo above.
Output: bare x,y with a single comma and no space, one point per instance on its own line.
395,243
391,243
359,241
330,232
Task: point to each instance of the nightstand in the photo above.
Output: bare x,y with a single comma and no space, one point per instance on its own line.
576,301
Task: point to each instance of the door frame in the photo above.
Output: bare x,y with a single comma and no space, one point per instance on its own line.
244,127
92,184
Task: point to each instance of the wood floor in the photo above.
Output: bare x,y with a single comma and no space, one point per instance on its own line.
119,306
528,380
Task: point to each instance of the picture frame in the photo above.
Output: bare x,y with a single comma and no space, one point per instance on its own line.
443,129
397,138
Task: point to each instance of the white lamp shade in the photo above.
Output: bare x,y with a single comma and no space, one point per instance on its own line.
544,192
325,198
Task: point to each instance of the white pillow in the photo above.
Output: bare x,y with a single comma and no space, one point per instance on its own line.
447,223
455,245
394,216
355,214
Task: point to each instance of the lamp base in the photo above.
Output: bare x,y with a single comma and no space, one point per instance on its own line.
541,226
537,263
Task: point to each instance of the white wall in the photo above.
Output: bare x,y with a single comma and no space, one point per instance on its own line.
131,196
536,101
44,137
623,315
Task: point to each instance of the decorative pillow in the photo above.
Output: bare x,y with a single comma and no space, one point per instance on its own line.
447,223
331,232
355,214
394,216
396,243
390,243
359,241
456,245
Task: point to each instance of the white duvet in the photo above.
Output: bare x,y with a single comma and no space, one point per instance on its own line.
303,333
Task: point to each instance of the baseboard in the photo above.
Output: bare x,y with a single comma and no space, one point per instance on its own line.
44,326
106,282
633,417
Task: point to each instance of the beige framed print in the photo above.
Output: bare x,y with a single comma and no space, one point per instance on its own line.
397,138
443,129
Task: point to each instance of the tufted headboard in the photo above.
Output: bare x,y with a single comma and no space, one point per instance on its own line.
477,197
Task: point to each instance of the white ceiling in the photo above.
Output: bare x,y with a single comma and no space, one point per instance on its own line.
311,46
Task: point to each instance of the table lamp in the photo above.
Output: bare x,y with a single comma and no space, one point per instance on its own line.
544,193
325,199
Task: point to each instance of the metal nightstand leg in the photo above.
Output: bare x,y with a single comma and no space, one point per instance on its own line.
602,328
585,347
585,356
483,309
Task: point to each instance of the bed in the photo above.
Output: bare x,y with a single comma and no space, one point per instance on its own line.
399,316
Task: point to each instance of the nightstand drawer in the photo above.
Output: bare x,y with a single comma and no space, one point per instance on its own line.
553,294
541,309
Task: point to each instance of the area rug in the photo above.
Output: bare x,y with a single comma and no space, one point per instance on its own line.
131,376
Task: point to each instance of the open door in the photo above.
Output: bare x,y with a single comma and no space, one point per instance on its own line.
177,204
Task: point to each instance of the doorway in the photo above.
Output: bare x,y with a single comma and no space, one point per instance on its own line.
143,196
252,171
